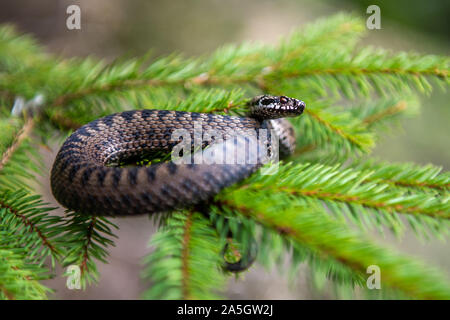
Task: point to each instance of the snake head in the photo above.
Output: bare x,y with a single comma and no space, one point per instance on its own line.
273,107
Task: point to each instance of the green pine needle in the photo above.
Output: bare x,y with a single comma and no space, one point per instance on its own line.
306,210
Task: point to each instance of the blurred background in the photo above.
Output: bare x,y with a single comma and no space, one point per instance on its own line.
113,28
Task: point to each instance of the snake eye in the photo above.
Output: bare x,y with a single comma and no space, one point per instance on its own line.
284,99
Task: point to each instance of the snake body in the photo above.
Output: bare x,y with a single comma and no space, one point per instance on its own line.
83,180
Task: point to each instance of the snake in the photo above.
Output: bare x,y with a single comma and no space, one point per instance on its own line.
86,177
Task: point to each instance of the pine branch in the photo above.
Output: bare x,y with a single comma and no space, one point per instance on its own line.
274,249
362,122
25,68
21,135
388,112
332,129
199,100
408,175
252,62
120,77
86,239
18,279
26,218
434,69
353,194
17,50
226,66
185,257
316,230
167,71
19,160
186,260
361,74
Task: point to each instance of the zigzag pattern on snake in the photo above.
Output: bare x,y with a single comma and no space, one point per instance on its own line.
82,178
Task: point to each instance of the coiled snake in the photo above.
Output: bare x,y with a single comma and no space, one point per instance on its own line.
83,180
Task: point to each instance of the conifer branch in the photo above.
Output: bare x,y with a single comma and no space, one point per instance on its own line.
332,129
274,248
128,76
351,194
388,112
86,240
29,225
18,278
356,71
85,251
365,202
19,159
350,187
185,256
67,98
361,141
21,135
407,175
199,100
25,217
333,239
63,122
186,260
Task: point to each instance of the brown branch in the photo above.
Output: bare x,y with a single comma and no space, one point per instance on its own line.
83,264
21,135
358,71
137,83
31,225
323,195
306,148
228,108
68,124
397,108
333,128
364,202
127,84
185,256
64,122
411,184
7,294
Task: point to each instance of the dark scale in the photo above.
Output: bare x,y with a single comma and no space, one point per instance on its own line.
172,167
116,176
132,176
151,173
73,171
126,199
101,177
86,175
